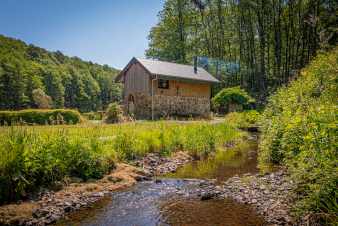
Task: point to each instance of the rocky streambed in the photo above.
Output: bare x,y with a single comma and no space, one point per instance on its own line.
267,194
248,200
52,206
226,189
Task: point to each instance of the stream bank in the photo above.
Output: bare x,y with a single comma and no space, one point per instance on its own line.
267,194
226,189
190,195
51,206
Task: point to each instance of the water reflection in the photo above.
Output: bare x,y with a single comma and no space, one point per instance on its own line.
205,213
238,160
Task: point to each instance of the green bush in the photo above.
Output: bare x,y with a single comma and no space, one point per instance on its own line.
300,131
92,115
230,99
39,117
114,113
243,119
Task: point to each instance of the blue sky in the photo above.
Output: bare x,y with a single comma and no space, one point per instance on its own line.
103,31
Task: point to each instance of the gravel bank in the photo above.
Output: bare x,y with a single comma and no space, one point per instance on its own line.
52,206
267,194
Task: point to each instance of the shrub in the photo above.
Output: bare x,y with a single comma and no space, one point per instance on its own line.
244,119
299,131
40,117
93,115
114,113
230,99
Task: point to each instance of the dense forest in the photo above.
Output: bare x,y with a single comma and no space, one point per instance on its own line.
32,77
257,44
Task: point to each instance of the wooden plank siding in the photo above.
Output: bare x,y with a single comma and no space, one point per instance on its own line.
136,80
185,89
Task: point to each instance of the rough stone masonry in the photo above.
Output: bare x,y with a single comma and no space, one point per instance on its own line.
165,105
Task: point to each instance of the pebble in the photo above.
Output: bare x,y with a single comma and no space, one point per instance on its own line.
268,195
52,209
155,164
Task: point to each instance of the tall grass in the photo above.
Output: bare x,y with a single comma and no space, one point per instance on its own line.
32,157
300,131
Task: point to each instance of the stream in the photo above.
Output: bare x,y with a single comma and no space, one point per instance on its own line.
173,199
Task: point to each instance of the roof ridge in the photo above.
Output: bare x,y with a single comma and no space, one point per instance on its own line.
175,70
162,61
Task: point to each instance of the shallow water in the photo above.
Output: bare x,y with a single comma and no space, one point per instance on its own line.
238,160
171,202
175,201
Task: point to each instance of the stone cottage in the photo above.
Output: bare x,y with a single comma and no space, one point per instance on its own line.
154,89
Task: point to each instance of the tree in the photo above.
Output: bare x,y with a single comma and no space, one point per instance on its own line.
116,92
41,99
54,87
12,95
69,81
269,40
168,40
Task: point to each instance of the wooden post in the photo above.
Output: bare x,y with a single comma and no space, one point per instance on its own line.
152,97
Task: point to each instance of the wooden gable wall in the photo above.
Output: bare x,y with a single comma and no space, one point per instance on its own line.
136,80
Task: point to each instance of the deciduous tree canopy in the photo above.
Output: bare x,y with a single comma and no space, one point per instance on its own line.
267,40
69,81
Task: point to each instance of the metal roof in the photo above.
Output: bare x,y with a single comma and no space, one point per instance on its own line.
174,71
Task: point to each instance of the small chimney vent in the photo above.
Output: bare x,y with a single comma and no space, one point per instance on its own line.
195,64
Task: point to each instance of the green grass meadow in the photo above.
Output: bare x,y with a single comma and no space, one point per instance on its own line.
38,156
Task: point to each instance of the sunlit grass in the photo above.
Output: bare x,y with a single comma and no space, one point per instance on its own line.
34,156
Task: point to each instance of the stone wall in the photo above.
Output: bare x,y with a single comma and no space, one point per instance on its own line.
170,106
142,106
182,106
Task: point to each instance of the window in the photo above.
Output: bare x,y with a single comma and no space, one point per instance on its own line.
163,84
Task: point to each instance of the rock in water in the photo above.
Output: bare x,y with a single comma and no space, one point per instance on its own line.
207,196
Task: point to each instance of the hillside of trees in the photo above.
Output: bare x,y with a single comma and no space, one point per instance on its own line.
32,77
257,44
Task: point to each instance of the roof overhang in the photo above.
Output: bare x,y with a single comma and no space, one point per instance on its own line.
187,79
120,75
126,68
134,60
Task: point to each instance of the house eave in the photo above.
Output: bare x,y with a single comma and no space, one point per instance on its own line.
168,77
190,80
